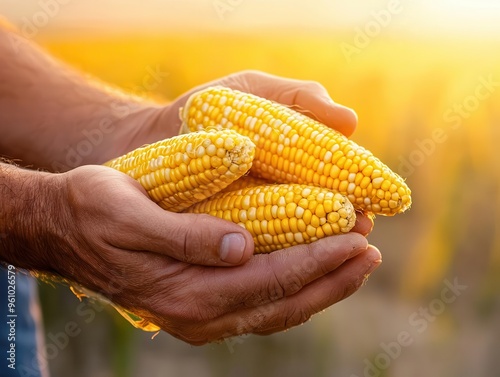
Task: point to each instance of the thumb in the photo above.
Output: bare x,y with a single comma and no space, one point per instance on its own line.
193,238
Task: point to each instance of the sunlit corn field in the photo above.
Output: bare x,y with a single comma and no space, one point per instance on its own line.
430,109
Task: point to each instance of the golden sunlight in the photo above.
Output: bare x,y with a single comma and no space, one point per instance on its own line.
422,18
424,79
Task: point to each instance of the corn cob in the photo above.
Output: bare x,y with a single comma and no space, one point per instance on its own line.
186,169
282,215
293,148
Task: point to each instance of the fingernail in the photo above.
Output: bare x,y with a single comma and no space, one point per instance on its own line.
373,267
232,248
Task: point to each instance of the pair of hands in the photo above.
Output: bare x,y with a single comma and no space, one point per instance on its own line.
167,267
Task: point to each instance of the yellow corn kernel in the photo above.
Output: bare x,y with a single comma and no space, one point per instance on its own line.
185,169
291,222
293,148
246,181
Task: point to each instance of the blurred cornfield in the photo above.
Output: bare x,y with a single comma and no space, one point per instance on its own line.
428,107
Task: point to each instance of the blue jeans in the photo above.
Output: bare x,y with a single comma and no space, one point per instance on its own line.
20,335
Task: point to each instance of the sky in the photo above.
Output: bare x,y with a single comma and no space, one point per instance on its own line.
422,17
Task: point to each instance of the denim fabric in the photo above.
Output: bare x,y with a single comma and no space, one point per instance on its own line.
20,322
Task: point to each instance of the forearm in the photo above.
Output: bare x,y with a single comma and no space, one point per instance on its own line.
53,117
27,222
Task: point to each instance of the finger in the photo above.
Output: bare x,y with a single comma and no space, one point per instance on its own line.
308,97
294,310
364,223
191,238
325,292
267,278
313,100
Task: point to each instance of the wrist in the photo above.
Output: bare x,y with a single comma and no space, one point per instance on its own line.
131,130
31,218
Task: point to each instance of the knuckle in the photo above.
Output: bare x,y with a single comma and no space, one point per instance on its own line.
278,288
292,283
252,73
348,290
297,316
243,79
275,290
284,284
314,85
193,240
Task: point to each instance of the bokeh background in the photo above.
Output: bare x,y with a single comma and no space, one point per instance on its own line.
424,78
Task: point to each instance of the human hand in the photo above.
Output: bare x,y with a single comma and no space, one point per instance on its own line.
169,270
308,97
313,99
154,263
